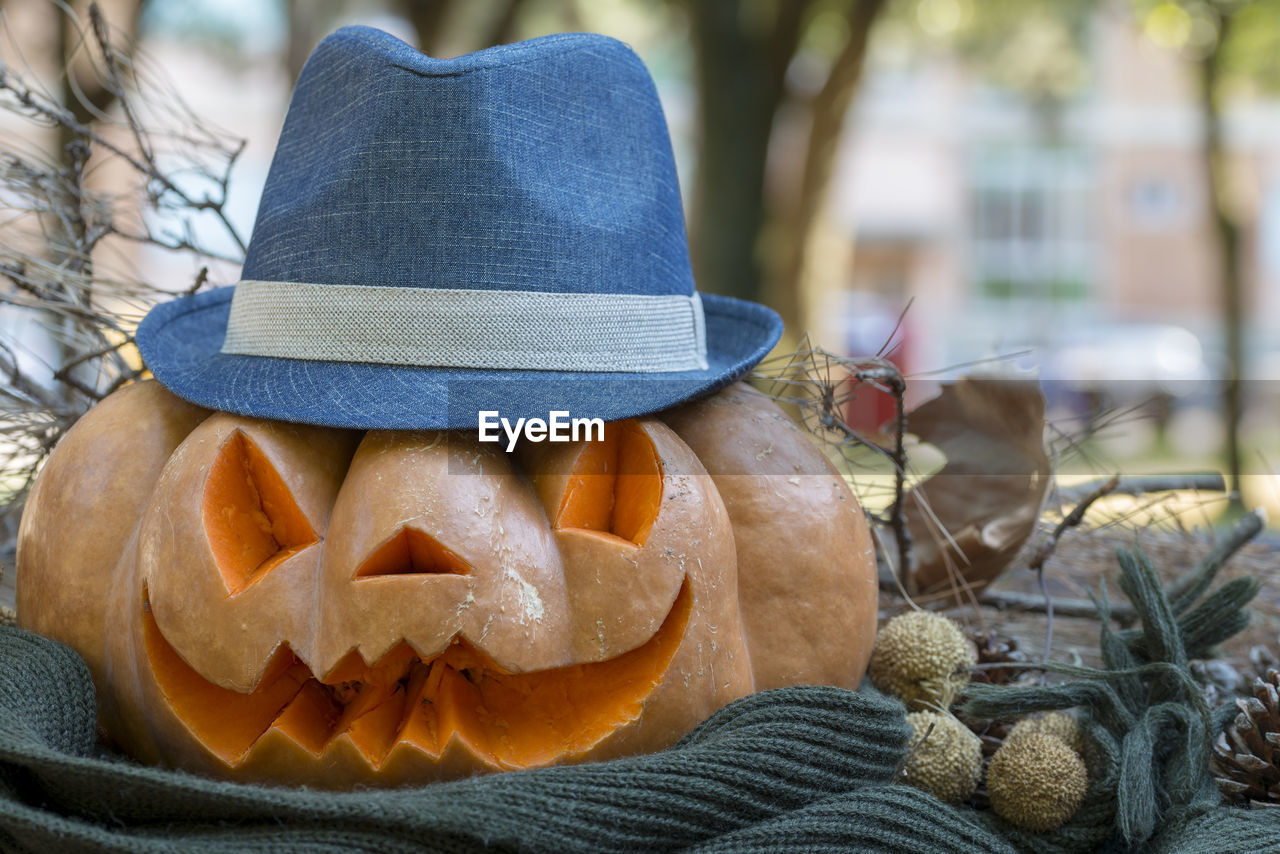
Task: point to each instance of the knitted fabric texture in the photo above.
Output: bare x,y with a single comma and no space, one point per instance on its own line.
787,770
796,769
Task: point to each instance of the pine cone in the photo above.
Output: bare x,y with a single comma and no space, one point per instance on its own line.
1263,659
993,649
1219,681
997,649
1246,757
991,733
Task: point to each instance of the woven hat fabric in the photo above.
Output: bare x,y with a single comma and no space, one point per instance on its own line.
539,168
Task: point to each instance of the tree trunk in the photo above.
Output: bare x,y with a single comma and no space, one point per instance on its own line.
740,76
431,18
503,28
1227,229
427,17
86,95
828,110
83,90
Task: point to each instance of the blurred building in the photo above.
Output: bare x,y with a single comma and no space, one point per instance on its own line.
1082,232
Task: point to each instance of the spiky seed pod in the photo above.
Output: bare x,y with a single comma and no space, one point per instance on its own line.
1246,757
921,658
1036,781
1058,724
946,758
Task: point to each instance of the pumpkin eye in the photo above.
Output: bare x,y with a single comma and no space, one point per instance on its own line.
411,552
616,485
251,520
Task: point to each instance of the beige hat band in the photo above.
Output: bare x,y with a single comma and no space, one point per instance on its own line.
462,328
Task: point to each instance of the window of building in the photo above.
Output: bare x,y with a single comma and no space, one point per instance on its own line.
1157,204
1032,237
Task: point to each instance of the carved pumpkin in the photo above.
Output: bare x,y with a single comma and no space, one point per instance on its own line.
270,601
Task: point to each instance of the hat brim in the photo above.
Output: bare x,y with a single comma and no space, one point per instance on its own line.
181,343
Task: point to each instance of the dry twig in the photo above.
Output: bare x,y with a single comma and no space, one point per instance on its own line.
69,220
820,385
1248,527
1131,484
1041,553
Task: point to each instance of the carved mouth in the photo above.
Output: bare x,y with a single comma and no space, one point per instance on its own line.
507,720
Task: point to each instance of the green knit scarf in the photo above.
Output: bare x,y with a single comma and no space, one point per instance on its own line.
798,769
805,769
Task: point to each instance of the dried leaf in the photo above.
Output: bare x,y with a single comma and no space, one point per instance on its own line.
988,495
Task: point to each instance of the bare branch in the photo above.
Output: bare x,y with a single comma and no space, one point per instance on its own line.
1248,527
72,343
820,384
1142,484
1040,555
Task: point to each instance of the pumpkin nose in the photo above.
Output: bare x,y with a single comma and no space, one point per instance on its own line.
411,552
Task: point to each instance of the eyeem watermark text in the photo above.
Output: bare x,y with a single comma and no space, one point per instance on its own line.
558,427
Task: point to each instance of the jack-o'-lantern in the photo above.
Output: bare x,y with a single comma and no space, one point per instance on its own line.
270,601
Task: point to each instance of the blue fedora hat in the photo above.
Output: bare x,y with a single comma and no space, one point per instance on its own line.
501,231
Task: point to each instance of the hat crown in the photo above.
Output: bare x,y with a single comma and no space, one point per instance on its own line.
539,166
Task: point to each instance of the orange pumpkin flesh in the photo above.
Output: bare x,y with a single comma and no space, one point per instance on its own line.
509,720
261,526
296,604
616,486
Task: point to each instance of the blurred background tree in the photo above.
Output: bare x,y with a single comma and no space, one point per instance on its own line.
1234,46
750,106
1041,50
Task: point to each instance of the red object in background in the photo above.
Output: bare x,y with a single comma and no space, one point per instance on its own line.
872,327
869,410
